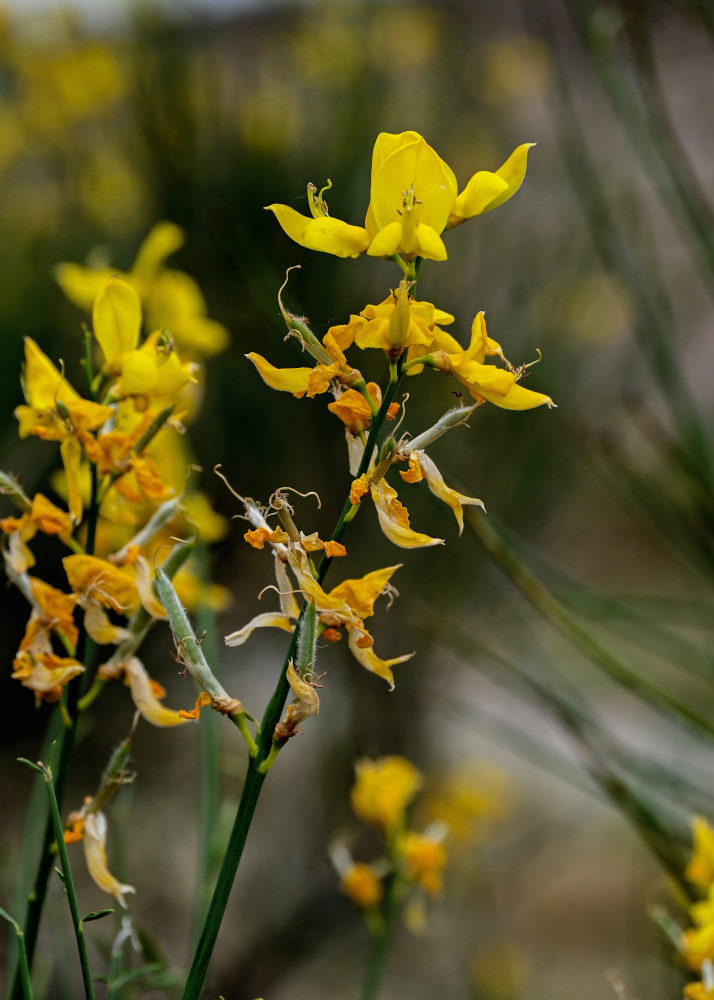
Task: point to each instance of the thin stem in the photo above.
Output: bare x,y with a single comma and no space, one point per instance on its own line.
22,956
46,773
381,938
266,749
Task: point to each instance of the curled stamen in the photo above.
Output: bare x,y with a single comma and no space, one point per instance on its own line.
283,310
405,399
390,592
243,500
291,489
280,593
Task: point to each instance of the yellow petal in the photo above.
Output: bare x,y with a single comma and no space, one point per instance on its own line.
270,619
99,628
326,234
43,383
394,519
386,240
311,589
486,191
71,452
361,593
383,789
430,244
145,586
405,162
294,380
288,603
144,698
367,658
95,853
164,239
82,285
116,318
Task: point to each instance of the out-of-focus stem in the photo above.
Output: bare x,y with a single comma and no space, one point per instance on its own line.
554,612
46,773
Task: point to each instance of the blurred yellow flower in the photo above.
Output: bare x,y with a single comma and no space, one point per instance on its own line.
362,886
383,789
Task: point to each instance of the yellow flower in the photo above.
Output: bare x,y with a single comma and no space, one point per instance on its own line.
173,301
424,859
499,386
397,322
698,991
362,886
413,198
700,869
153,369
55,412
383,789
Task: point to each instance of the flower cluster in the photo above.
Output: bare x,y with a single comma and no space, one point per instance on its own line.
412,862
123,493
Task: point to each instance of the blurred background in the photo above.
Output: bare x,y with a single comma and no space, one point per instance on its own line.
549,743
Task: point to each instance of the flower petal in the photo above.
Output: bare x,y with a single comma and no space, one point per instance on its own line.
144,698
269,619
394,519
326,234
294,380
116,319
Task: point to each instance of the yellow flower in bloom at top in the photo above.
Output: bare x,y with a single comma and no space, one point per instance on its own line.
394,324
413,198
383,789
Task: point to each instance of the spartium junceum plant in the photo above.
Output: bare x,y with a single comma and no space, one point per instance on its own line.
118,436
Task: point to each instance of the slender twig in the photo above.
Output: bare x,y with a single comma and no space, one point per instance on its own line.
22,955
46,772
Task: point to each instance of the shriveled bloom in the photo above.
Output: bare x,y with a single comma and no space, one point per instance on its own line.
99,585
423,467
305,703
147,695
43,516
394,519
95,853
383,789
413,199
38,667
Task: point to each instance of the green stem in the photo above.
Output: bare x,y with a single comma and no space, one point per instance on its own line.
381,938
22,956
46,773
266,751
